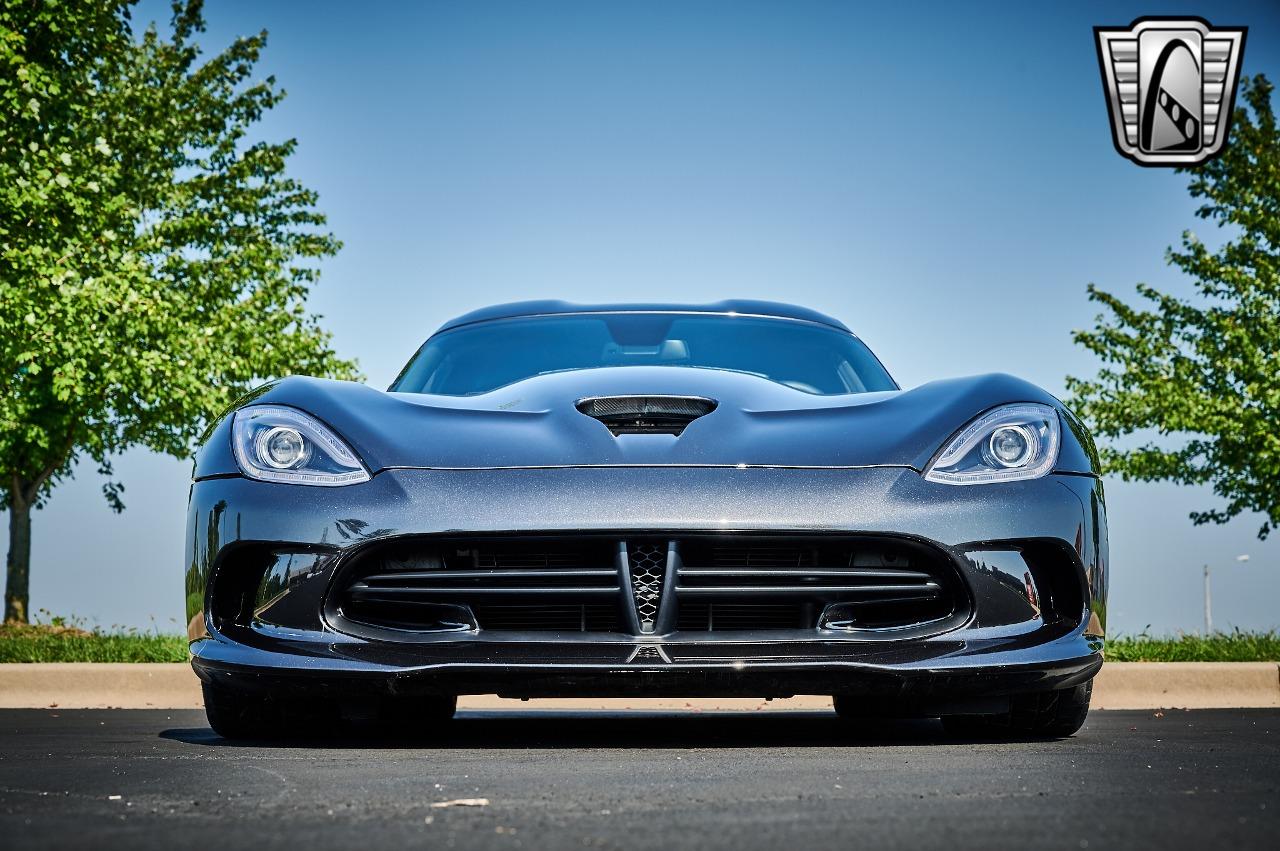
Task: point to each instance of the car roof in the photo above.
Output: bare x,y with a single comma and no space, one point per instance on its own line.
549,307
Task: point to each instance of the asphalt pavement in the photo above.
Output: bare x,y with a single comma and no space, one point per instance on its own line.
161,779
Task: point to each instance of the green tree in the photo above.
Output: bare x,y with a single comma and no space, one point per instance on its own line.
1203,373
154,259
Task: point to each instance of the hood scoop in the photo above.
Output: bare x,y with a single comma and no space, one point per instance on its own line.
646,414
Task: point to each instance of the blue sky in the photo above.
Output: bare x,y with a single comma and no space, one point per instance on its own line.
940,177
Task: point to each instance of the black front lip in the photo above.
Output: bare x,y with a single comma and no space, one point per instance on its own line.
753,678
944,666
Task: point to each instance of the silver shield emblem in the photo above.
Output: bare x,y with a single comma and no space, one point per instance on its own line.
649,653
1170,86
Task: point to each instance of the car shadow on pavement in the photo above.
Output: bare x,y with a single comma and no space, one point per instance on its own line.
498,729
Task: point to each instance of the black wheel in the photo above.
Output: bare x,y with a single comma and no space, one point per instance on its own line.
851,708
1050,714
235,715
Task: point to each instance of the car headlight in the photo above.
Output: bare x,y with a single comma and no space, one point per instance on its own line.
1006,444
277,444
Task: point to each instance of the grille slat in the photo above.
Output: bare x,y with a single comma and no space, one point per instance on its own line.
438,575
844,573
929,590
356,592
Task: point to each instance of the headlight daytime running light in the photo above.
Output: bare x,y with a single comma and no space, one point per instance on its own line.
273,443
1006,444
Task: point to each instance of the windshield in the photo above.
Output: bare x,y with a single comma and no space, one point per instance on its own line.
487,355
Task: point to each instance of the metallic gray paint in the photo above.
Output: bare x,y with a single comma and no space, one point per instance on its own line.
757,422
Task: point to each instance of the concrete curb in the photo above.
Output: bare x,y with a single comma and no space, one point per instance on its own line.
1120,685
1187,685
98,685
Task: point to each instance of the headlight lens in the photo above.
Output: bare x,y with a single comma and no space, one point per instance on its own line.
282,447
1005,444
278,444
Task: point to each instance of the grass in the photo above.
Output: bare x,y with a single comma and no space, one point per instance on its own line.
1221,647
58,642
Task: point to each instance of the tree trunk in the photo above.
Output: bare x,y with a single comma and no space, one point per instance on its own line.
19,562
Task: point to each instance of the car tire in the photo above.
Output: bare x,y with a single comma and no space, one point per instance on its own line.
1047,714
418,716
856,708
235,715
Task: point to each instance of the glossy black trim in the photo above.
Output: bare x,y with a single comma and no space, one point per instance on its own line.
754,679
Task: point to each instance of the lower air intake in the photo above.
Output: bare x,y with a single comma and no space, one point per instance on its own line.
518,584
855,584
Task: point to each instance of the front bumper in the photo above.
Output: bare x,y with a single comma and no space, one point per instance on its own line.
1003,647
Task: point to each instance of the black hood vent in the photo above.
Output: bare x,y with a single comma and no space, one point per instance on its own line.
646,414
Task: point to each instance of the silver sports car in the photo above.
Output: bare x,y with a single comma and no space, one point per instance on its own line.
646,500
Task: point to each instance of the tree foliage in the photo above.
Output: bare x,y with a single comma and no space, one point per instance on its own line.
1204,372
154,257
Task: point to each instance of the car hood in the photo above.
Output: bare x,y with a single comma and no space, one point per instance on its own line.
756,422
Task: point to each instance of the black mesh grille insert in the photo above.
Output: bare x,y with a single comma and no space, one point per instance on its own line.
646,414
517,557
648,570
756,555
706,616
585,617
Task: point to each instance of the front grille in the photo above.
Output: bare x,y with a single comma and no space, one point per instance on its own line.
500,585
691,583
854,584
